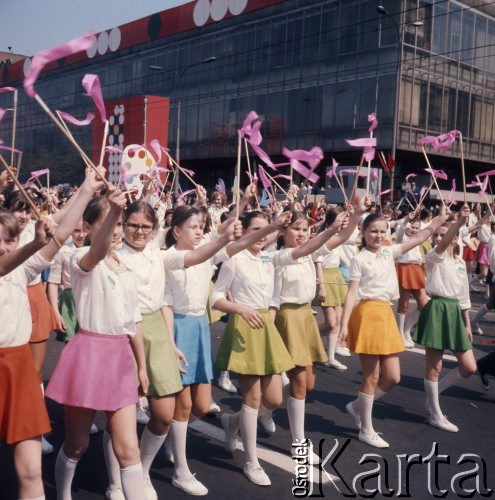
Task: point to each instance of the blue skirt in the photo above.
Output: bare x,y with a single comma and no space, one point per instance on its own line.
192,337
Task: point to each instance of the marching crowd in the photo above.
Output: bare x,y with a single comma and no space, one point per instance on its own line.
131,287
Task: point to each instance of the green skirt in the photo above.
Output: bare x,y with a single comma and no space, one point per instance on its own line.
334,286
161,364
68,312
253,351
440,326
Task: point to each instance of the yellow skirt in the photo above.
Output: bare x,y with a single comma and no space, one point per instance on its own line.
299,331
335,287
373,329
253,351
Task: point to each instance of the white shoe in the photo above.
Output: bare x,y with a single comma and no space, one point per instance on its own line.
349,408
337,365
443,424
168,452
408,344
342,351
149,491
267,422
94,429
141,416
226,384
475,328
214,408
314,312
190,485
256,474
46,447
114,494
373,439
230,437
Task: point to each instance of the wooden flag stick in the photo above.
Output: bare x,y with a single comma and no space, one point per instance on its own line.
69,136
104,141
486,199
338,178
432,176
19,163
14,126
463,168
84,156
238,176
28,198
425,194
354,186
181,169
368,174
249,170
274,181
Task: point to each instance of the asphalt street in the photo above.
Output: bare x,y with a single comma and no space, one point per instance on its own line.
400,416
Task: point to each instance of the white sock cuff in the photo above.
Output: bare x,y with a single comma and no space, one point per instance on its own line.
362,395
248,409
178,423
296,402
66,459
379,393
132,468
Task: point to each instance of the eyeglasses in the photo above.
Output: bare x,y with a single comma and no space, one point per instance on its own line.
136,227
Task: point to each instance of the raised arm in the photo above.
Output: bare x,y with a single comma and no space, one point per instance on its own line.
100,244
425,233
449,236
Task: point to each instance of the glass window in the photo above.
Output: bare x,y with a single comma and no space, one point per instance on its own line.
467,38
440,27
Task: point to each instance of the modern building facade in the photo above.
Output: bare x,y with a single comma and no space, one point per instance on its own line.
313,70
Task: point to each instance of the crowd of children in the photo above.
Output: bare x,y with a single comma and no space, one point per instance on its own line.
129,291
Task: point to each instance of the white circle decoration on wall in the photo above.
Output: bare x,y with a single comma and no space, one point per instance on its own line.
201,12
102,42
236,7
114,39
26,66
218,9
91,52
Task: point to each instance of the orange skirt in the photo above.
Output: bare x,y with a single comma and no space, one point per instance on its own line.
372,329
411,276
23,412
41,313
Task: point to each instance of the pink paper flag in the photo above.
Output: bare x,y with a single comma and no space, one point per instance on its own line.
374,174
113,149
2,113
180,199
422,191
264,179
220,186
71,119
473,184
7,148
374,122
409,176
91,84
362,143
311,157
368,153
41,59
484,185
333,172
489,172
348,171
38,173
281,176
7,89
155,145
305,172
439,174
385,192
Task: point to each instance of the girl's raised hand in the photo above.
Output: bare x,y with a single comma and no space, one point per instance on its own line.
93,180
116,197
283,220
364,204
340,222
44,230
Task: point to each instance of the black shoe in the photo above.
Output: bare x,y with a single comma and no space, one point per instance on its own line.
484,380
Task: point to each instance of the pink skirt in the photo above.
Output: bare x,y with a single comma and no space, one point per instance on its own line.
95,371
482,254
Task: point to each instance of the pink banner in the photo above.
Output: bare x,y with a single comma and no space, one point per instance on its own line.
71,119
155,145
304,171
374,122
91,84
439,174
264,179
311,157
41,59
38,173
7,89
362,143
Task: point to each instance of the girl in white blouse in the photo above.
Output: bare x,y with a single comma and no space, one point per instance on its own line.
369,327
23,416
186,292
251,346
295,288
444,321
96,369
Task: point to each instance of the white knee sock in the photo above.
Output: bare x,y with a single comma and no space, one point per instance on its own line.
34,498
295,412
401,318
411,320
378,394
263,410
431,390
332,345
450,379
365,405
178,433
479,315
235,422
149,445
113,466
249,423
65,469
133,482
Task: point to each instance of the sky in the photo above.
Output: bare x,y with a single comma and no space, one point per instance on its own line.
32,25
